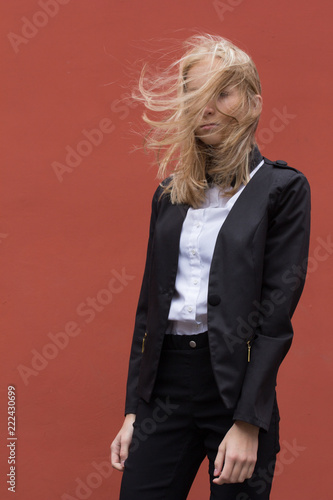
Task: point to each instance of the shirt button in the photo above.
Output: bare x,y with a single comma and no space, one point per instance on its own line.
189,309
195,282
193,252
193,344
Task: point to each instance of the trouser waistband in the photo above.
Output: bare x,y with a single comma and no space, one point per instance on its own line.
186,342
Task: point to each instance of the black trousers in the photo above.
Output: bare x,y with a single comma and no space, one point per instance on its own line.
184,422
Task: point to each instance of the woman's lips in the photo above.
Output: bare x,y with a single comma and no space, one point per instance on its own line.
208,126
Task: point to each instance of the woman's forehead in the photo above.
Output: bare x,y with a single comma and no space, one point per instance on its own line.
204,66
208,71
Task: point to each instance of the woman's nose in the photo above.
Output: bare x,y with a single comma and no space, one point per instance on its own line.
209,108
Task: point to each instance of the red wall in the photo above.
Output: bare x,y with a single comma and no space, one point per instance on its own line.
64,239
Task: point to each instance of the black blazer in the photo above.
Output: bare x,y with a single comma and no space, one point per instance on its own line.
255,283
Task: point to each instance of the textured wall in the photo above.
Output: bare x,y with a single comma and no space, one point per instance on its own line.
75,207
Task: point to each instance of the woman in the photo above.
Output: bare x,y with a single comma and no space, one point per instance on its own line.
213,323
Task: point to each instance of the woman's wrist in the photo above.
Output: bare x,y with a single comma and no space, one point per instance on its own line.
246,426
130,417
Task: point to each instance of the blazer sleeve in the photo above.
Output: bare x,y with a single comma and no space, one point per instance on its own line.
141,317
284,270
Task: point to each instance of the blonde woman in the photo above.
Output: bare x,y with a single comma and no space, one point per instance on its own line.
213,324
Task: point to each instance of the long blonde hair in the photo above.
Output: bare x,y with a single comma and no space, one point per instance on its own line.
174,112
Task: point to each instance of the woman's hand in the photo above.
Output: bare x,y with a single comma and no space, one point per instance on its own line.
120,445
237,454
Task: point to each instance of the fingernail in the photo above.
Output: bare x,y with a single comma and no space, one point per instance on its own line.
123,463
215,472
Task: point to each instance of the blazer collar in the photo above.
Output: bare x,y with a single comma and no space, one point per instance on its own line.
250,191
247,206
255,158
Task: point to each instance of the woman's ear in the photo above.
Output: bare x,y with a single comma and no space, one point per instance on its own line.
256,106
258,102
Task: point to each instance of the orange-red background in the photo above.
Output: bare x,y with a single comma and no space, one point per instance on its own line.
61,242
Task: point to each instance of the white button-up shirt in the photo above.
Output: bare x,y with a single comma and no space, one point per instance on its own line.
188,309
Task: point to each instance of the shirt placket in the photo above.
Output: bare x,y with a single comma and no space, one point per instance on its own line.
194,279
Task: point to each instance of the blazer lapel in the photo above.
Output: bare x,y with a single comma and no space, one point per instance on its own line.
248,203
166,242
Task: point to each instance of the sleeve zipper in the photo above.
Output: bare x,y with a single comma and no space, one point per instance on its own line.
249,347
143,342
248,350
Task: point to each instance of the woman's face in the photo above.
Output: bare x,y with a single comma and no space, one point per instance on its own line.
212,124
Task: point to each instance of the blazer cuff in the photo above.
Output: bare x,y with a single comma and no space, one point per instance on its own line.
251,420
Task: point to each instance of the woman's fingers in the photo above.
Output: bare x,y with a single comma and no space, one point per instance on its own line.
119,450
235,470
124,447
239,451
219,460
121,443
115,453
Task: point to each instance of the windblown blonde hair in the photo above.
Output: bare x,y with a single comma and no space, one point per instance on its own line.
174,113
